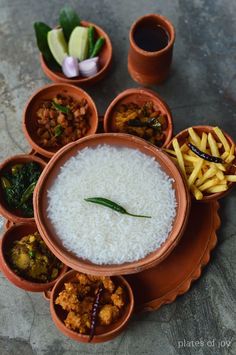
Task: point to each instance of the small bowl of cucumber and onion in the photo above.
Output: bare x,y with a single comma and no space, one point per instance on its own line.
76,52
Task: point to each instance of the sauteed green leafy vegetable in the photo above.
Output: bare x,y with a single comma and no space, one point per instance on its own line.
18,185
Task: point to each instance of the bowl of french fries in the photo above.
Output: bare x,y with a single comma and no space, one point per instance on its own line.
205,156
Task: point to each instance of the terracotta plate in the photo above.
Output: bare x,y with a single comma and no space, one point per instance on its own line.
173,277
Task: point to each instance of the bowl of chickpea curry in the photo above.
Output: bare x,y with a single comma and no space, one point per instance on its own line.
142,113
56,115
91,308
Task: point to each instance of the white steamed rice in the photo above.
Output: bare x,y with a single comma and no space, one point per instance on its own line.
125,176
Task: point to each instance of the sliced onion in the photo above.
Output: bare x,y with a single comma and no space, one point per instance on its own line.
89,67
70,67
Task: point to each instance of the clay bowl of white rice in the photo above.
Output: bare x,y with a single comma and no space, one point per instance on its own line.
94,238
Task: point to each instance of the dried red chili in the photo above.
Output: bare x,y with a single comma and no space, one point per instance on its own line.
94,314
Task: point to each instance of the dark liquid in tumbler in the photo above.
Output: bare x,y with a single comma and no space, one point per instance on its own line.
151,37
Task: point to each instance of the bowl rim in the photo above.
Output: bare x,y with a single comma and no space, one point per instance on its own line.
44,152
18,280
7,213
77,336
83,80
149,260
208,128
140,91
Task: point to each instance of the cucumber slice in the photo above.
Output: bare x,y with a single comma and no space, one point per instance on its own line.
57,44
41,33
78,43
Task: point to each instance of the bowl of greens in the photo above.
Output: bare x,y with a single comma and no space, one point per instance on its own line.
18,176
76,52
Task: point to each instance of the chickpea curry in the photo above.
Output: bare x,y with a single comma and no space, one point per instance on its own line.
143,121
91,301
62,120
31,259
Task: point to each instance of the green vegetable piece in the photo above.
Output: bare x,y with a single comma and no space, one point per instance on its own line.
97,47
91,39
61,108
41,33
15,168
68,20
78,43
58,130
27,193
113,205
5,183
32,253
57,44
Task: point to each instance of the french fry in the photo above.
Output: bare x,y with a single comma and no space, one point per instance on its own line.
220,175
217,188
231,155
225,155
230,178
219,166
172,152
195,137
213,146
200,162
207,175
203,144
209,183
190,158
222,138
179,156
184,148
222,182
196,192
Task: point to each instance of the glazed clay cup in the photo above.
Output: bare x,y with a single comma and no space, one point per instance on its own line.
13,215
102,333
16,232
145,67
182,136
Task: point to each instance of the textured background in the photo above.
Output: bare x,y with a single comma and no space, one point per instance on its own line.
201,90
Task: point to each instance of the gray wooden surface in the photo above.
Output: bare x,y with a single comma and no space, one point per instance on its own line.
201,90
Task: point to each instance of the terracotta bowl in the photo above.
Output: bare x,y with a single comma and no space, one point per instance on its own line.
15,232
105,58
102,333
138,96
49,92
49,234
181,136
5,210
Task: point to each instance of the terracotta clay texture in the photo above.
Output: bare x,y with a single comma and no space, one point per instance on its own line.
49,234
48,92
11,215
15,232
150,68
102,333
174,275
105,58
181,136
139,96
